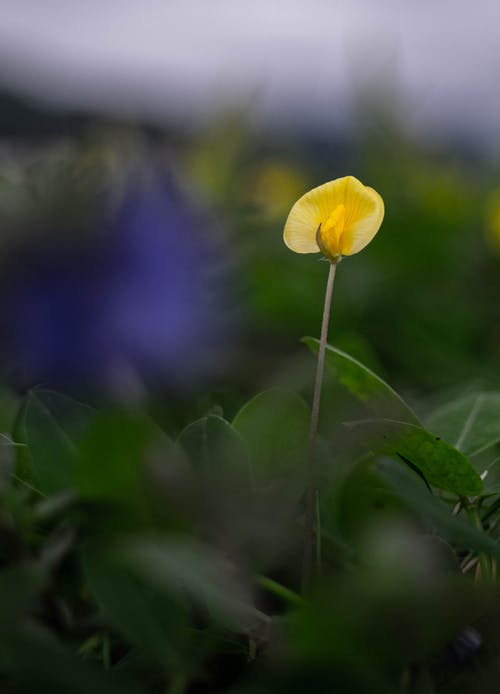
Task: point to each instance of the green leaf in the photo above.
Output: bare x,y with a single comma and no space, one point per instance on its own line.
215,448
113,454
50,425
275,427
36,662
441,464
31,657
154,623
175,565
364,384
434,512
471,423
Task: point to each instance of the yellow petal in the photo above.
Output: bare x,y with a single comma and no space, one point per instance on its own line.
311,210
364,211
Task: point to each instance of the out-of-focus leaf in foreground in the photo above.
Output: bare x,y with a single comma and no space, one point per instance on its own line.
31,655
155,623
176,566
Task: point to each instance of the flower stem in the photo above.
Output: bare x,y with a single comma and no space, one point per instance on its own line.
310,538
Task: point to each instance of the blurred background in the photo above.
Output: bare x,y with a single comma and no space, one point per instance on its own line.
150,152
151,523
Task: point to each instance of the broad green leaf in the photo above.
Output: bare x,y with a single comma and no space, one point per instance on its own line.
31,656
275,427
442,465
471,423
215,447
50,425
460,532
364,384
153,622
352,501
175,565
33,659
113,454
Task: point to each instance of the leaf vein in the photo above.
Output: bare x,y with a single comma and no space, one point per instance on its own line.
468,422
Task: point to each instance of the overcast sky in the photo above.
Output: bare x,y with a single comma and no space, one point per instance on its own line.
301,59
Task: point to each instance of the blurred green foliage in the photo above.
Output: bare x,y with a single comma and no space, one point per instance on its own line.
131,561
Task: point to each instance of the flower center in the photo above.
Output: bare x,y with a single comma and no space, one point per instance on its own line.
329,234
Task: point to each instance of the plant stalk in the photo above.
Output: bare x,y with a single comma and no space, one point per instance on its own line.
310,539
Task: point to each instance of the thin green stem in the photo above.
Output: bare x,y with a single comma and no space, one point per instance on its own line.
280,591
311,489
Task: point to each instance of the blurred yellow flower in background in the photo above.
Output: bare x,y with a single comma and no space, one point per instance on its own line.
337,218
492,220
273,185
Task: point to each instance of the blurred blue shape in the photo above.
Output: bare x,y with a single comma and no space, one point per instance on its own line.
141,303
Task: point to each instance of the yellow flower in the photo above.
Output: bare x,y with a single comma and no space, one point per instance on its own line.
337,218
